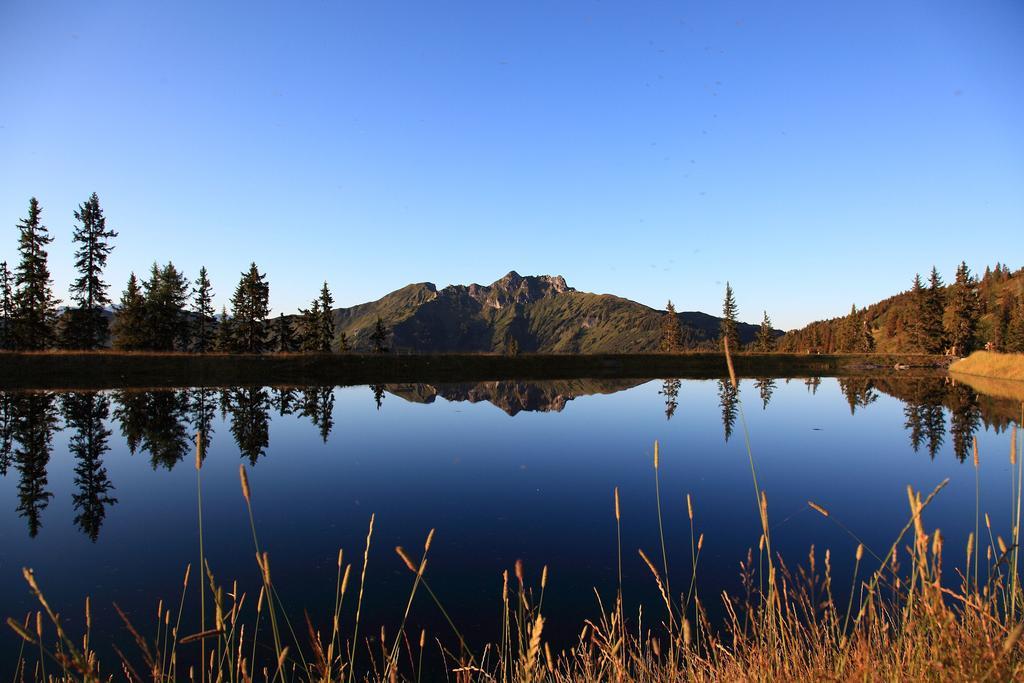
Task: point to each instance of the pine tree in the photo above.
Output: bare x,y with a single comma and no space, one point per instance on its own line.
204,324
933,306
87,326
965,310
250,306
309,327
224,342
671,332
129,328
1001,323
325,327
866,340
729,330
6,307
1015,328
284,337
166,293
915,330
342,343
35,305
379,337
765,341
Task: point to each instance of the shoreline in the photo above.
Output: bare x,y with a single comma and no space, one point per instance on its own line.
107,369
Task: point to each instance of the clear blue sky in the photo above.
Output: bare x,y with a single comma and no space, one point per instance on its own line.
814,153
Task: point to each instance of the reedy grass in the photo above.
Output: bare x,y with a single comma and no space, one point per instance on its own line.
897,624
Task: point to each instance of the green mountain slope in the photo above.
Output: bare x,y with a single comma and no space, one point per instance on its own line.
890,319
542,314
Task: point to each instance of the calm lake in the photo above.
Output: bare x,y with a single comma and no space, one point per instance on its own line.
98,490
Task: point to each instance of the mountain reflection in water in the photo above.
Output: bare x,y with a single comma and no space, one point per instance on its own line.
164,424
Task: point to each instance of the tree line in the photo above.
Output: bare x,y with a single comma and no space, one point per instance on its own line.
676,337
165,312
931,317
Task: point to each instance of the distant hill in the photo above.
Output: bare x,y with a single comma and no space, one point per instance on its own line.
542,313
889,319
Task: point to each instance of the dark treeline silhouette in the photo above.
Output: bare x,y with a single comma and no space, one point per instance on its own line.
930,317
165,312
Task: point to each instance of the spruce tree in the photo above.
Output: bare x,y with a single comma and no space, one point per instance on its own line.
284,337
87,325
224,342
342,343
129,329
35,305
930,315
671,332
379,337
866,340
965,309
6,307
166,293
729,329
325,331
1015,328
915,330
309,327
765,341
203,324
250,306
1001,323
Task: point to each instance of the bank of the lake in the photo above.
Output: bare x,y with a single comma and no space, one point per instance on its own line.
107,369
993,374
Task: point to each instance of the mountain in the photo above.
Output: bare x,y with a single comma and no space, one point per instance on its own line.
890,319
542,313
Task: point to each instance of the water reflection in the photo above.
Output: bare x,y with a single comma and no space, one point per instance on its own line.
670,390
728,399
164,424
85,414
35,420
765,388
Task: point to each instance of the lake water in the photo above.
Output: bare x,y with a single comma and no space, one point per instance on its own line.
98,491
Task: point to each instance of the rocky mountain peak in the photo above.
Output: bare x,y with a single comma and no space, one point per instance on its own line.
516,289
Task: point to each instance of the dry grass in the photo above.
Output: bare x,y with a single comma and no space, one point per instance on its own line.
1002,366
904,618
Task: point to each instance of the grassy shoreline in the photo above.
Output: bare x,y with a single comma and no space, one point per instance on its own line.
106,369
1007,367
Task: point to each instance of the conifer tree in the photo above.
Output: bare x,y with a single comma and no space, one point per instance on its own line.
915,330
1001,323
204,323
224,342
933,336
765,341
6,307
129,330
964,311
166,293
1015,328
729,329
284,337
250,306
325,331
87,325
866,340
310,326
379,337
849,332
35,305
342,343
671,332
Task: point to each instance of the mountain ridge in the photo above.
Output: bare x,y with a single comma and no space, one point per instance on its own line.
541,313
